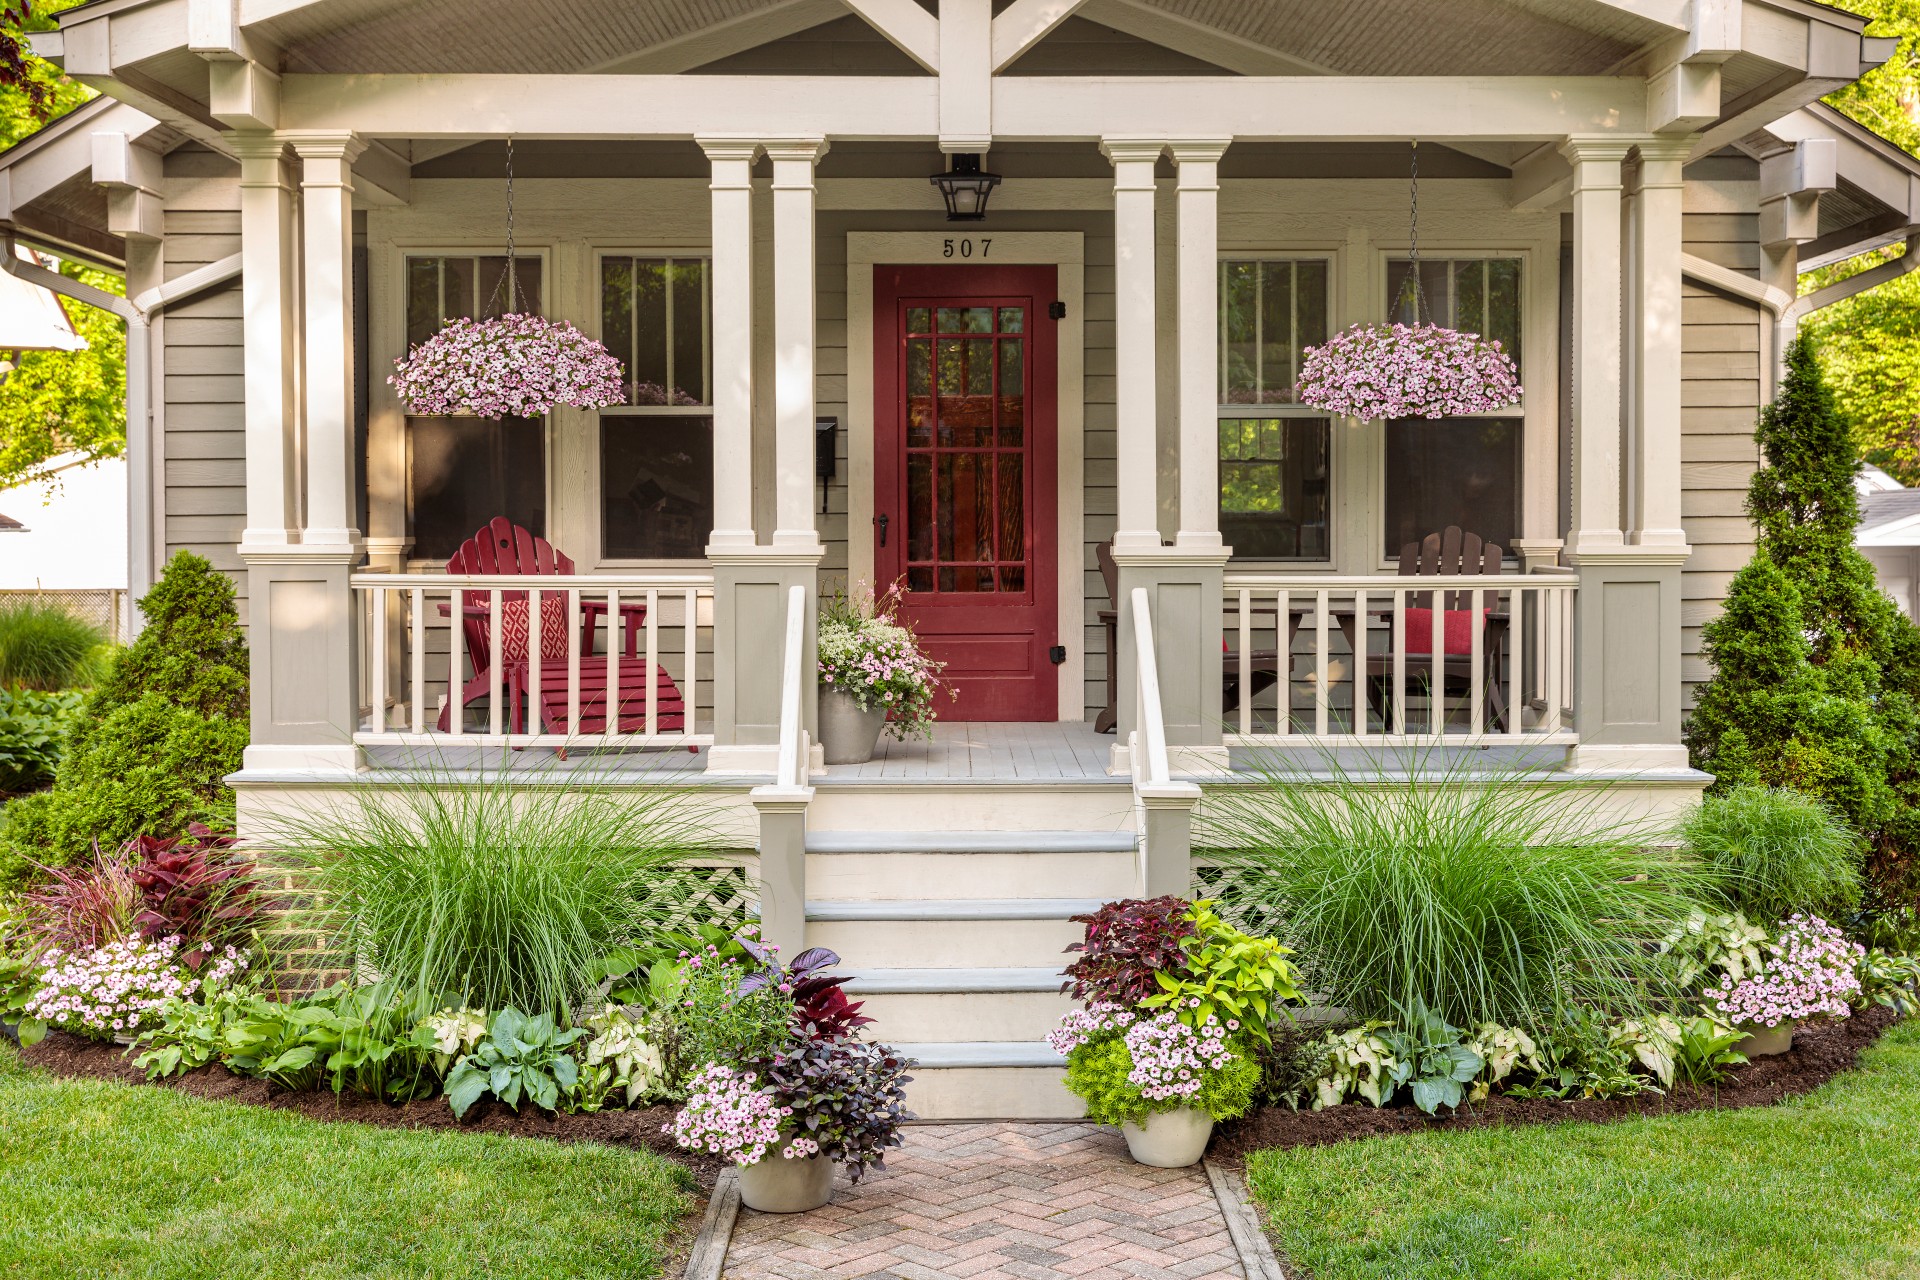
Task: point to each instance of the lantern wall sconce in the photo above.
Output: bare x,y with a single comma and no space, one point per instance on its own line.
965,187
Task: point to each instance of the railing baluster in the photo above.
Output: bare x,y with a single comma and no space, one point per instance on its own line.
536,653
1246,661
1399,662
1550,647
377,661
456,679
1322,607
653,662
417,678
573,661
1476,679
1516,632
611,726
691,693
495,675
1437,666
1283,641
1358,657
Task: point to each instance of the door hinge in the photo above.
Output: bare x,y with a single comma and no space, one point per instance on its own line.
1058,655
1056,311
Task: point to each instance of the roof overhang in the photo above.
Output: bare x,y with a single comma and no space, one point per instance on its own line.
1874,199
48,191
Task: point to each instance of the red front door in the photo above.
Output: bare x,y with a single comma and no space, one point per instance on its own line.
964,476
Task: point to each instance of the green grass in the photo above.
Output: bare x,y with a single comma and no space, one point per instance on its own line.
107,1180
1820,1186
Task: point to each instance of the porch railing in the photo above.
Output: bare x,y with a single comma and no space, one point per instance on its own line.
1350,659
646,679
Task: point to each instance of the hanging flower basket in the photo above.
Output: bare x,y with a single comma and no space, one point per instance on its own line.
510,366
1407,371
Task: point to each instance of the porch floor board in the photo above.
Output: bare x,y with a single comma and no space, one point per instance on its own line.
987,752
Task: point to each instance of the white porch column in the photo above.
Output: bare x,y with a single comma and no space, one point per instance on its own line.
1135,334
1596,340
267,292
732,325
793,339
1656,237
326,206
1198,206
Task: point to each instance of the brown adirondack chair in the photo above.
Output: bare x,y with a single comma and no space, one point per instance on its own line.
1452,552
505,548
1264,664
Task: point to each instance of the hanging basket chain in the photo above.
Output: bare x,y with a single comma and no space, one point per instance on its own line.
1413,289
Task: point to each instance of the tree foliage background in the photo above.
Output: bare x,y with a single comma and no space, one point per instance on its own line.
1870,343
55,402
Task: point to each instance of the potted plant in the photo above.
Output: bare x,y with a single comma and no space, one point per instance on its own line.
1177,1003
803,1092
873,676
1810,970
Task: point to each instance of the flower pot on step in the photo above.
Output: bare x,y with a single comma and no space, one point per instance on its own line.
1766,1042
779,1185
1170,1139
848,735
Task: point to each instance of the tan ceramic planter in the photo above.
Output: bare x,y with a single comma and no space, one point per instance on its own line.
1170,1139
848,735
1766,1042
780,1185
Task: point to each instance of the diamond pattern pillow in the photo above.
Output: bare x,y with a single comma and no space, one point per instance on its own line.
516,628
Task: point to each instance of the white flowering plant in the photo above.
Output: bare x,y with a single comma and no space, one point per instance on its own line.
1379,371
1128,1064
868,653
1810,972
509,366
120,989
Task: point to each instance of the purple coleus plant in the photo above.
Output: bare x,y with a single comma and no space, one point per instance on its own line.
820,1006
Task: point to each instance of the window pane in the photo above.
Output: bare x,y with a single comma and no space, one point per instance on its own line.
1273,487
462,472
616,316
1270,311
689,332
423,299
1459,471
1477,295
1239,318
649,368
656,486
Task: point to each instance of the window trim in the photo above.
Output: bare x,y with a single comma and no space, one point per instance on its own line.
402,251
594,327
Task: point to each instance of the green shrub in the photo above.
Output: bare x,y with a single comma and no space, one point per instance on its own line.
162,728
33,732
44,647
503,893
1482,897
1780,852
1815,673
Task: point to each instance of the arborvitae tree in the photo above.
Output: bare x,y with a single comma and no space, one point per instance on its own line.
1815,672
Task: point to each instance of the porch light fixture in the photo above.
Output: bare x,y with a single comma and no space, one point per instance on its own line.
965,188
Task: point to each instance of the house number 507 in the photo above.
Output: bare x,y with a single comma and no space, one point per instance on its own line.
964,248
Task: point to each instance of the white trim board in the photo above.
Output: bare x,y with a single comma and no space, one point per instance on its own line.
1064,250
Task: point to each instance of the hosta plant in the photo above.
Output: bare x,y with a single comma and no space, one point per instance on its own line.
1127,945
1809,973
521,1058
1891,979
452,1034
619,1057
1705,945
192,1033
1128,1064
19,981
364,1040
509,366
1434,1061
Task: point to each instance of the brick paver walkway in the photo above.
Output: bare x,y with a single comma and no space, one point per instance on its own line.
999,1200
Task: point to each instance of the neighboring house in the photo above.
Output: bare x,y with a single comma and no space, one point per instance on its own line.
1889,536
70,532
736,197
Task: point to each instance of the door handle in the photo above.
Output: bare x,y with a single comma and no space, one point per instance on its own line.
882,522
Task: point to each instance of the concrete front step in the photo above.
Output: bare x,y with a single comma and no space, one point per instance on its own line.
929,1017
989,1080
880,865
946,934
938,805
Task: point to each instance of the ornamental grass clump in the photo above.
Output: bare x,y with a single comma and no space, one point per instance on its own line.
1810,972
44,647
1485,897
1780,852
508,366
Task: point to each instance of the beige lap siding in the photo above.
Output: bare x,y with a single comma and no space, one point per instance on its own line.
203,432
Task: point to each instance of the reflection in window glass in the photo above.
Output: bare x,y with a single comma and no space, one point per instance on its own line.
656,486
1460,471
1270,312
653,318
442,288
1478,295
1273,487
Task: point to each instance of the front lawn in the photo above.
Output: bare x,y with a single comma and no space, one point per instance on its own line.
1819,1186
103,1180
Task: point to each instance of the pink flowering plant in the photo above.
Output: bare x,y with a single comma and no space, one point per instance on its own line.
1128,1064
509,366
868,653
1407,371
120,989
1810,971
729,1113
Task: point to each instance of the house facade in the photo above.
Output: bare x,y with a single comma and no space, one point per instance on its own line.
1069,429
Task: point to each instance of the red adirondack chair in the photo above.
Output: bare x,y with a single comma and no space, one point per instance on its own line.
505,548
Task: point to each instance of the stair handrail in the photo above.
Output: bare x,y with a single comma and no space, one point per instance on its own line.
791,770
1151,734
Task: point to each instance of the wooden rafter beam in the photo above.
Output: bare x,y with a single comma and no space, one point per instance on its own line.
912,30
1025,23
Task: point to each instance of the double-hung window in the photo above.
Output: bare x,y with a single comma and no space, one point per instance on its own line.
1275,463
1457,471
656,447
462,472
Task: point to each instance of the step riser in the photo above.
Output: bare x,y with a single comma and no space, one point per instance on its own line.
977,1015
946,944
971,808
879,877
992,1093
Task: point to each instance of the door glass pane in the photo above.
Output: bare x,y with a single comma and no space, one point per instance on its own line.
920,507
1013,392
1012,319
656,486
919,320
919,392
1458,471
965,319
1013,507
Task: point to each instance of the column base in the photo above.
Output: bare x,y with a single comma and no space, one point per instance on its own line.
270,757
750,587
1628,758
304,656
1184,588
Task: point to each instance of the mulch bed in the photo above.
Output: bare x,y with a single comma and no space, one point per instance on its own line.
1819,1053
72,1056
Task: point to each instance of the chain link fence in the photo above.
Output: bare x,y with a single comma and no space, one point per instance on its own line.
107,608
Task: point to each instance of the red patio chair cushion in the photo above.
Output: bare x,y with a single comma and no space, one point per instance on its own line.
1456,631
